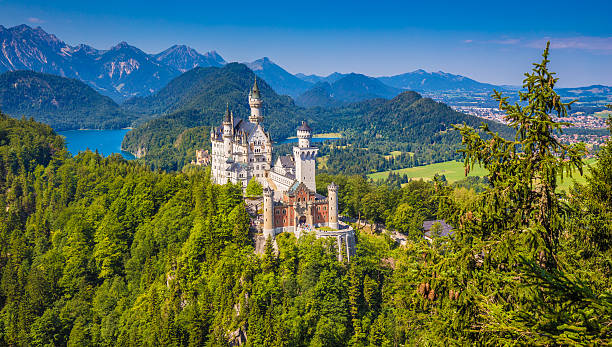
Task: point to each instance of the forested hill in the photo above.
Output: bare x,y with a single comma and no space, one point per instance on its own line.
198,98
203,94
208,90
103,252
410,116
61,102
349,88
419,129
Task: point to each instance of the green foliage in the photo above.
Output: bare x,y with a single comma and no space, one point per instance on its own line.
254,188
520,227
408,220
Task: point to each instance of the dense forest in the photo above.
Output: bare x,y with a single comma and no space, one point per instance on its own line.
60,102
103,251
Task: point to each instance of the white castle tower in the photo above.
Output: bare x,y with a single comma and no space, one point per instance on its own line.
228,131
255,103
268,225
332,200
305,158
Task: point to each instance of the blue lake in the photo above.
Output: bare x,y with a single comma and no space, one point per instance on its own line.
106,142
314,139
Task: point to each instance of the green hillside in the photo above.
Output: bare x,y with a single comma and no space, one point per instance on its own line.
199,97
453,171
407,123
63,103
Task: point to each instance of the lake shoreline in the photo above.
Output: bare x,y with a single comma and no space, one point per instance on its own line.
105,141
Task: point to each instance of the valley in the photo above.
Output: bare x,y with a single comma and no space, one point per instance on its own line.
222,193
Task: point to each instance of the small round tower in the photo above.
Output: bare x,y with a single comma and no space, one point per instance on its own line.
268,212
332,201
304,133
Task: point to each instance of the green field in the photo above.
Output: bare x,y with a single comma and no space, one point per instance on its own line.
454,171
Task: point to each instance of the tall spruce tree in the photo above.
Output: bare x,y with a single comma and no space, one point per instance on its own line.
524,292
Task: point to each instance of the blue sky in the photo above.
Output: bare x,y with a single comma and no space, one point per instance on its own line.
489,41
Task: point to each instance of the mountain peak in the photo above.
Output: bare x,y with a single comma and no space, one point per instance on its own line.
121,45
181,48
21,28
184,58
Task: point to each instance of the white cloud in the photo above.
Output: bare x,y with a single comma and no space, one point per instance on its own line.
579,42
35,20
507,41
591,43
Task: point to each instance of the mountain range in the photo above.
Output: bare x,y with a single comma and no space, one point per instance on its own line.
421,80
279,79
124,71
349,88
121,72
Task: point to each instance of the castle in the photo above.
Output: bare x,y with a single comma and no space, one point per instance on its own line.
242,150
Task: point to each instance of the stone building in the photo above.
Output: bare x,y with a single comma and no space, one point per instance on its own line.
202,158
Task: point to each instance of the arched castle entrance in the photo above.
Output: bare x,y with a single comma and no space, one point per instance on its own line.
302,220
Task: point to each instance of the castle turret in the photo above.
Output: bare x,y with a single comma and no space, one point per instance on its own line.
268,213
332,201
305,158
304,133
255,103
228,129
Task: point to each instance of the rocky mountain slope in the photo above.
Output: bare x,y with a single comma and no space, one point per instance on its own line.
121,72
422,80
185,58
279,79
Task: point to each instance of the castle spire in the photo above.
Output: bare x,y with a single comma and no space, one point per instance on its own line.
226,118
255,90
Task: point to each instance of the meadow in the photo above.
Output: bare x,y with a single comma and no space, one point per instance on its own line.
454,171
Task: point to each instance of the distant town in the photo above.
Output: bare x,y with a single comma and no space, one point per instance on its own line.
579,120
